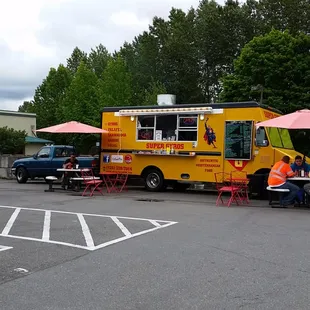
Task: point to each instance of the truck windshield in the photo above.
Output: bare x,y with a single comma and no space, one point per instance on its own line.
280,138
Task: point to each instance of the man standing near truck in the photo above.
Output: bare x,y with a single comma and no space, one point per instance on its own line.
69,163
278,179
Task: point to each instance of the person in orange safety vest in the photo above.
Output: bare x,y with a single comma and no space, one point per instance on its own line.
278,179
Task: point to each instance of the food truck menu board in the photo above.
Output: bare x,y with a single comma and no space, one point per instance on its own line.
238,140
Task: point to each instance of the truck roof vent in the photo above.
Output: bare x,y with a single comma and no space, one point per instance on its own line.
166,100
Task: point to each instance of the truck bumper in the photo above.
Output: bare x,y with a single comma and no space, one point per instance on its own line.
13,171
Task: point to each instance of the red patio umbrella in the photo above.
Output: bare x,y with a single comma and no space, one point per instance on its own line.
297,120
72,127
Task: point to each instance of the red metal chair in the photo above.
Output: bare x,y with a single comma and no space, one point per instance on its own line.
224,185
91,182
240,179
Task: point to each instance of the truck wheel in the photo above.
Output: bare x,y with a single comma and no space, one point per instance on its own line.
21,175
154,180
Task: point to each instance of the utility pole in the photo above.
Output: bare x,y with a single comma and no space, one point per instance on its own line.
261,94
261,88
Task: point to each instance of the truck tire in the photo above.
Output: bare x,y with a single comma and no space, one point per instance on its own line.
21,175
154,180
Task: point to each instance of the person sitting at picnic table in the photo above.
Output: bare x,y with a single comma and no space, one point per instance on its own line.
69,163
278,179
297,166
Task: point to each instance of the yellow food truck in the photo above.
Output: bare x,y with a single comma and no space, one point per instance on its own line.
182,144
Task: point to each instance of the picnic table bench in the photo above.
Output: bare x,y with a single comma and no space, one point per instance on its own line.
279,191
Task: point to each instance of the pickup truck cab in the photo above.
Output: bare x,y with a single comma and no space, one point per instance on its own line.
47,161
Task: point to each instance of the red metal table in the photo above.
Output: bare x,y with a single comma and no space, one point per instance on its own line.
115,182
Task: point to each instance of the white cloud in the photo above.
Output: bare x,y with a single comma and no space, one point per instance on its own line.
128,19
11,104
38,34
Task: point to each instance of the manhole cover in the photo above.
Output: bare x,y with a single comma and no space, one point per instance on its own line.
150,200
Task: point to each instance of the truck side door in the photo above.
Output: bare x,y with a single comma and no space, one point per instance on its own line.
40,166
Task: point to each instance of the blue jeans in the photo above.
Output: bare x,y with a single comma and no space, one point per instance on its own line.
290,197
300,195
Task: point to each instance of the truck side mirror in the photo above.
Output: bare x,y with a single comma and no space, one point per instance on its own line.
35,156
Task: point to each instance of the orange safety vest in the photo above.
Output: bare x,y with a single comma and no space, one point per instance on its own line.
278,173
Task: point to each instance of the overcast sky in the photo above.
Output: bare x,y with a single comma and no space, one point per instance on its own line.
38,34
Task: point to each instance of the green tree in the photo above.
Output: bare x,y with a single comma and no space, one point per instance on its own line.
27,107
75,59
179,57
81,101
221,32
150,94
98,59
12,141
115,88
49,95
292,15
275,65
140,58
167,54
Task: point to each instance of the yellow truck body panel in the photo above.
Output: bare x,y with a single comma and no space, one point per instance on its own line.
213,138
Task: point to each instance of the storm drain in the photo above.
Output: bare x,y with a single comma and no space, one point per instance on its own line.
150,200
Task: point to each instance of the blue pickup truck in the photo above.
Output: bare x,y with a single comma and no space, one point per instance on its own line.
47,161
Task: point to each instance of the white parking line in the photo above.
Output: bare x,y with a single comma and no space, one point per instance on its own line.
49,241
121,226
103,245
87,214
10,222
90,245
87,235
155,223
4,248
46,227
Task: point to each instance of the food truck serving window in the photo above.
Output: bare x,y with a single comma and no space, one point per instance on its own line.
187,128
167,127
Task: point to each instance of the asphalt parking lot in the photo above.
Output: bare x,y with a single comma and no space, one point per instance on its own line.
137,250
